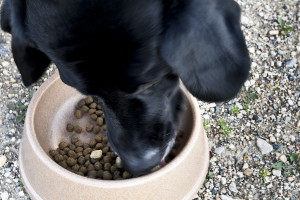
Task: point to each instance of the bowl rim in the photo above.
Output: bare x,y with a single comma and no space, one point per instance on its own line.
45,158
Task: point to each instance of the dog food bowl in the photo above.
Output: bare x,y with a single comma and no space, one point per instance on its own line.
49,111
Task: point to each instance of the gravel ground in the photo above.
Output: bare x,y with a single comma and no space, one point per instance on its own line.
254,138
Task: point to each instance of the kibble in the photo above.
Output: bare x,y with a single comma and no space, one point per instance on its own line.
81,160
92,111
80,103
93,159
93,143
97,129
77,129
100,121
107,175
89,100
85,109
78,149
93,105
70,128
94,117
62,145
74,139
98,138
89,128
78,114
107,166
71,161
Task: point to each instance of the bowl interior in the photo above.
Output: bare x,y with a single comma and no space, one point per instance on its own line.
54,106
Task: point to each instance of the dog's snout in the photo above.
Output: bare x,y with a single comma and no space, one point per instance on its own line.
140,165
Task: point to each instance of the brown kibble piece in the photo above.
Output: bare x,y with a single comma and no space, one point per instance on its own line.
113,155
105,150
79,154
65,157
113,168
66,150
71,161
92,174
78,149
107,175
53,153
99,146
77,129
78,144
93,143
97,129
89,128
79,173
74,139
107,159
76,167
89,100
62,145
80,103
72,147
99,107
78,114
81,160
99,113
84,109
105,139
93,161
90,167
98,166
98,138
92,111
100,174
70,128
94,117
104,127
87,151
107,166
72,154
87,163
87,157
93,105
83,169
126,175
63,163
86,145
100,121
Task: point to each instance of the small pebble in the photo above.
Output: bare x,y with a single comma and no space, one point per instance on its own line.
3,160
96,154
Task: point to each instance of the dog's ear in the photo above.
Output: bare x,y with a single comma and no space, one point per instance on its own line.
204,45
5,17
30,61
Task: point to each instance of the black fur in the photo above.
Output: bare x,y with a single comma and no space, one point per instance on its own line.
112,49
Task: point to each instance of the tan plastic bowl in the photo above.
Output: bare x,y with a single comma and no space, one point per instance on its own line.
52,107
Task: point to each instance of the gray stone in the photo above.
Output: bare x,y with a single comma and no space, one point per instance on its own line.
290,63
263,146
232,187
225,197
219,150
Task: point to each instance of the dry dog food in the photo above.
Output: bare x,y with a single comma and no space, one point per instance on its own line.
95,159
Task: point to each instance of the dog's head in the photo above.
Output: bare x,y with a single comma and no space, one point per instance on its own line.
131,55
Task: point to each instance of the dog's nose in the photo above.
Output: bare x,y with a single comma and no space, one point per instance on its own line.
141,165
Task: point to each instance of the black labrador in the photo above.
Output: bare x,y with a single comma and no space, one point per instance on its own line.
131,54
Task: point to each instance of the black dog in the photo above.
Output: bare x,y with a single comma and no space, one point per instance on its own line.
131,54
